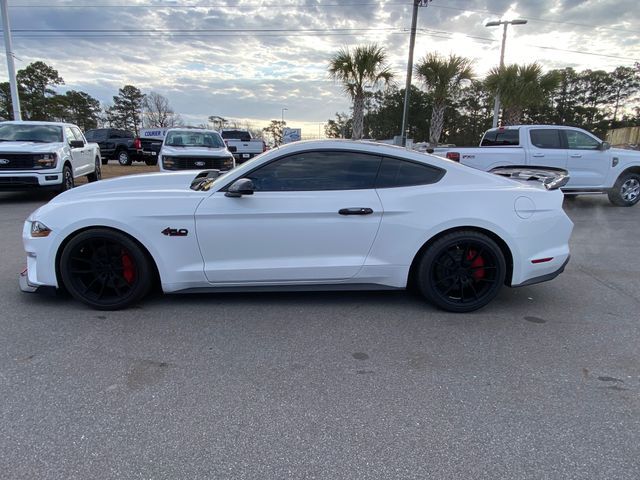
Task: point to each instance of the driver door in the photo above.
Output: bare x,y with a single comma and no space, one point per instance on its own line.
295,228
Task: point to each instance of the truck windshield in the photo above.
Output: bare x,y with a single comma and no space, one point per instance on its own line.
242,135
186,138
16,132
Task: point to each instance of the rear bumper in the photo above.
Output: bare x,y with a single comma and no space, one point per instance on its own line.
544,278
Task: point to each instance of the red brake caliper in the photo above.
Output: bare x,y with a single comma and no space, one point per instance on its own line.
478,272
128,270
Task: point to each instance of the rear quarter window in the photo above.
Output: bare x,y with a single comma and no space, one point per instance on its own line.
401,173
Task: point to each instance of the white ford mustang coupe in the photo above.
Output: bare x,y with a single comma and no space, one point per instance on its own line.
321,215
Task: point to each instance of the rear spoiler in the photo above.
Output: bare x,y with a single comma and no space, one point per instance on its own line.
552,178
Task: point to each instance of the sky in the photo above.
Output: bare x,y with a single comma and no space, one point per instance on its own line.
259,60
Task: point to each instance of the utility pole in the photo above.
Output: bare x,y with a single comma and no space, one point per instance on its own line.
15,99
412,42
496,23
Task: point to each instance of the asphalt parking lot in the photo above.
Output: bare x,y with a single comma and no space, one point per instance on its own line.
543,383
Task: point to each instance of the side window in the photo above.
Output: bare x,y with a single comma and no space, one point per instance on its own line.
114,134
69,134
545,138
581,141
78,134
400,173
309,171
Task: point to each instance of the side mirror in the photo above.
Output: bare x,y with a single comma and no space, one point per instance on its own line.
232,149
605,146
76,144
242,186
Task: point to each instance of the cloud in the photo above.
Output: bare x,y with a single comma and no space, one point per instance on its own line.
248,59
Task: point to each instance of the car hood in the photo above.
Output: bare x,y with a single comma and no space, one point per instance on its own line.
194,151
620,152
19,147
134,185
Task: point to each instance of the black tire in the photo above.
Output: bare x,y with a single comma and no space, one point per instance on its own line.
626,190
151,161
105,269
461,271
123,158
67,179
105,161
97,173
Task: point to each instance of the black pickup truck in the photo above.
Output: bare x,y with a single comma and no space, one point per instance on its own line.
121,145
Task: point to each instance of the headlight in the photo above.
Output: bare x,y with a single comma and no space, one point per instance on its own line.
45,160
168,163
228,163
39,229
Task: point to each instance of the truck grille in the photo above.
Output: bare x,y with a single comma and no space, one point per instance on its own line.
16,161
187,163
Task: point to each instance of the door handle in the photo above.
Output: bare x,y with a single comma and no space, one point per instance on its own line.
576,155
538,155
356,211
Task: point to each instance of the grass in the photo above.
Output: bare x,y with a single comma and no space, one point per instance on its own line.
113,169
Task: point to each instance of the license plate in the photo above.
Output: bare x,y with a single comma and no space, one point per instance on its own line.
245,155
154,153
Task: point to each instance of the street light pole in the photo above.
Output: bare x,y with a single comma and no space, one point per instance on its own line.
412,43
505,23
283,110
15,99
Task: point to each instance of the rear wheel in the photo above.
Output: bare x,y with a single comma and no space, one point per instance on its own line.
105,269
462,271
97,172
151,161
123,158
626,191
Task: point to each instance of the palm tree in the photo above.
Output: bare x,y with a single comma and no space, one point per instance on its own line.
443,78
520,87
365,66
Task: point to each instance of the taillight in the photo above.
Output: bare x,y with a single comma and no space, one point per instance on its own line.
137,144
455,156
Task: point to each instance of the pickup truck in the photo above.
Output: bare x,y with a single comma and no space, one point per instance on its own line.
194,149
120,145
593,166
45,155
246,147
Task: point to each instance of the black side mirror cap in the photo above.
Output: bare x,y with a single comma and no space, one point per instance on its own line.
605,146
76,144
242,186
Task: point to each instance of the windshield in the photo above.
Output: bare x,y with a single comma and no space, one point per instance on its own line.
16,132
242,135
186,138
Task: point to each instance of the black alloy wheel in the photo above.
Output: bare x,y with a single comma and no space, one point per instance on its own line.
97,172
462,271
105,269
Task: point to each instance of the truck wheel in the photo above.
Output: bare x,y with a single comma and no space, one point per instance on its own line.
461,271
123,158
97,172
67,179
151,161
626,190
105,161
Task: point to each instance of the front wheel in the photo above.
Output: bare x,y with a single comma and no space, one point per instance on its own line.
151,161
67,179
123,158
462,271
626,191
105,269
97,172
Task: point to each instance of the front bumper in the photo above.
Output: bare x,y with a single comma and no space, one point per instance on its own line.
25,284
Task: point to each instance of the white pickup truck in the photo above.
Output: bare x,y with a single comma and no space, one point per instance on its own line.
194,149
593,166
242,144
45,155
